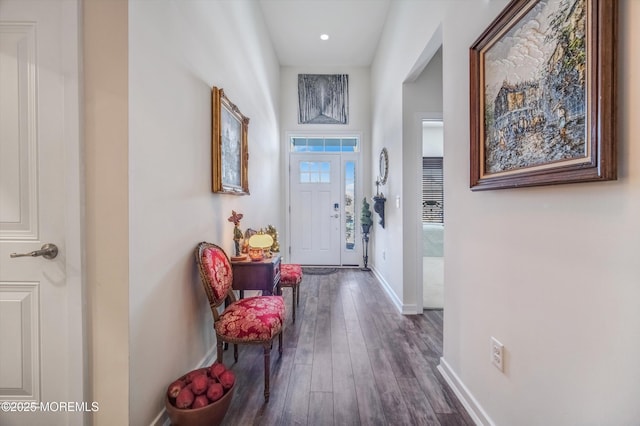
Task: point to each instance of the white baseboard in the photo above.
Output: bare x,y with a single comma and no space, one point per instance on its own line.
162,419
475,410
405,309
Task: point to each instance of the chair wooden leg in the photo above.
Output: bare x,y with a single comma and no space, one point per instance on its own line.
280,343
220,344
293,302
298,294
267,363
235,352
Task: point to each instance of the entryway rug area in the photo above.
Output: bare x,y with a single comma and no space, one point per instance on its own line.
312,270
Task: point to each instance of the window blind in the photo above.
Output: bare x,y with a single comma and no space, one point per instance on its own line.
432,190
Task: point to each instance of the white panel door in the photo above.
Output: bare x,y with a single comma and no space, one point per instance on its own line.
315,209
41,350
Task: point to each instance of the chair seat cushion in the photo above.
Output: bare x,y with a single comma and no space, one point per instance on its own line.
252,319
290,274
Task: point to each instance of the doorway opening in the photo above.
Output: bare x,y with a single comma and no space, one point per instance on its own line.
433,209
324,190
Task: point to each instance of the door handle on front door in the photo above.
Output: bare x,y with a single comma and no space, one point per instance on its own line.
335,215
48,251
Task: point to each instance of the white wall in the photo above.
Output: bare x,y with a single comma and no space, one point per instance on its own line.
359,122
432,139
177,51
406,37
551,271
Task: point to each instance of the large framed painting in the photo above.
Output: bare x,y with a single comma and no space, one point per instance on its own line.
543,95
229,146
323,98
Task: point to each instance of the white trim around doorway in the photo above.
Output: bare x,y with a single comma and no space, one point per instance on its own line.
419,118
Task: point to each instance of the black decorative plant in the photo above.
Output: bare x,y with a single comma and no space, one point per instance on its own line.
365,222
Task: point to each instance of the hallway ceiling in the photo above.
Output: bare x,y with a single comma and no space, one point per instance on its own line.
354,28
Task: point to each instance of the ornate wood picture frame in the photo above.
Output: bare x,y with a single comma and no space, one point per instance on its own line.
543,95
229,146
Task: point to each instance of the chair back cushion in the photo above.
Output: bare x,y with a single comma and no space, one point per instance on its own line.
216,272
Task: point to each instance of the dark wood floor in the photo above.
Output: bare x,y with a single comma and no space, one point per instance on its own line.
349,359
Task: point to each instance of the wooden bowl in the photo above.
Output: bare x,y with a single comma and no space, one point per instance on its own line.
211,415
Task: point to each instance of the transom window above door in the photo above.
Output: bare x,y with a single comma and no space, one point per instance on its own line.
323,144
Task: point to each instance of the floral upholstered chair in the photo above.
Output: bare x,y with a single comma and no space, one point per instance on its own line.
291,276
254,320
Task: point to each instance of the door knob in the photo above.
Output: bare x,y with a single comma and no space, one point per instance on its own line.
335,215
48,251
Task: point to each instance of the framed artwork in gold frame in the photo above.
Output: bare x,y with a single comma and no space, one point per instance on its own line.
543,95
229,146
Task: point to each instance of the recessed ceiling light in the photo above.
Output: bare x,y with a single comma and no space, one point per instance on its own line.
324,36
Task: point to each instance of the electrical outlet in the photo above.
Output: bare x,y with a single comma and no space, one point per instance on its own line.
497,354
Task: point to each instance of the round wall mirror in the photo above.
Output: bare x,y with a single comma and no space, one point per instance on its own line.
384,166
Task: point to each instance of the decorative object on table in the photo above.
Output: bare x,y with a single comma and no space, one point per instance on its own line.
378,207
260,246
237,233
200,397
254,320
245,244
548,115
323,98
365,223
255,254
271,230
230,148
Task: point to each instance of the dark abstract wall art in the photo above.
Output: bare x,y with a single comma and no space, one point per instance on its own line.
323,98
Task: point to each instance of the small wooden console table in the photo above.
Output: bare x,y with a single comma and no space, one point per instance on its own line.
257,275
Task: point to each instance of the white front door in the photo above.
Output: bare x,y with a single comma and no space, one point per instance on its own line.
316,206
41,349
